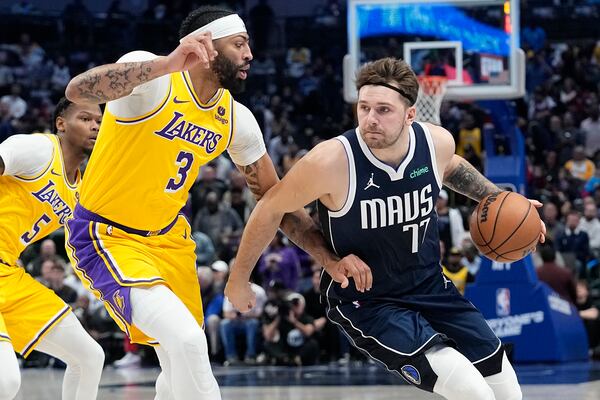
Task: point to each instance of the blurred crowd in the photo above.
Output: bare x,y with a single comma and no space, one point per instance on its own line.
295,92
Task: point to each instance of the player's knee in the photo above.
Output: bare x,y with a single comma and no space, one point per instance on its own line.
10,381
163,387
194,342
91,358
457,378
512,393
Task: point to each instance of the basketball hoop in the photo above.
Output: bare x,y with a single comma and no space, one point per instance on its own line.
431,94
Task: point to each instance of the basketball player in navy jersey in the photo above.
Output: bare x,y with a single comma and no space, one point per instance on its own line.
376,188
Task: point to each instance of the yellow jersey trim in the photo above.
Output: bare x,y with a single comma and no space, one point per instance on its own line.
232,116
45,330
149,114
39,175
190,88
72,186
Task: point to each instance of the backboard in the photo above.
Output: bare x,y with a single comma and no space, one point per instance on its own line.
473,43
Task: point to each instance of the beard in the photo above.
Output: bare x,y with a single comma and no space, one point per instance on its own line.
226,72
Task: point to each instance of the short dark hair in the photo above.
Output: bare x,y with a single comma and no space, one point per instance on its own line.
390,71
59,111
200,17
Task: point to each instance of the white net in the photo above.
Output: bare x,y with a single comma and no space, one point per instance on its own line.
429,101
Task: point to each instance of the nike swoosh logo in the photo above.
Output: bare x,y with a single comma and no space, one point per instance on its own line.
54,173
179,101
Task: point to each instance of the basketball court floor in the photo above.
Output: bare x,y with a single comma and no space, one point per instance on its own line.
576,381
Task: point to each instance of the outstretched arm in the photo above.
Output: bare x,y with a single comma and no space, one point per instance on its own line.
310,179
113,81
297,225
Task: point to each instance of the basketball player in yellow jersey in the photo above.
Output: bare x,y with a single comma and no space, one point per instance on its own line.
165,118
38,191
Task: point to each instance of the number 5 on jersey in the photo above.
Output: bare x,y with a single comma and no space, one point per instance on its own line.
27,237
184,162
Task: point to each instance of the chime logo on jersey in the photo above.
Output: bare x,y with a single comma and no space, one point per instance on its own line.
178,127
49,195
395,210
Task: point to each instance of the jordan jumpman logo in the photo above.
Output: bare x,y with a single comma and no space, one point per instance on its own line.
371,183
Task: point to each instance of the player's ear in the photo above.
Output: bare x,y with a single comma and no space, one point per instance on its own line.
411,114
60,124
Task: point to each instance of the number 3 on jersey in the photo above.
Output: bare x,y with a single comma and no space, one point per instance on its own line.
184,162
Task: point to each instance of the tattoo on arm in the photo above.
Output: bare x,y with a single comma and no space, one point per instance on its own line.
465,179
307,235
113,81
251,174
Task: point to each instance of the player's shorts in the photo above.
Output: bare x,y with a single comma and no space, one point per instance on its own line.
28,309
397,331
110,261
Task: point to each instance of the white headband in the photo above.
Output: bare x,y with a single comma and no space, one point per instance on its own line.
225,26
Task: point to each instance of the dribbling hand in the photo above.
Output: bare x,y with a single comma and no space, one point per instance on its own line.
240,294
192,51
351,266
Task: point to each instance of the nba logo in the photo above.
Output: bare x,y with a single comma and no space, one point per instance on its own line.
503,302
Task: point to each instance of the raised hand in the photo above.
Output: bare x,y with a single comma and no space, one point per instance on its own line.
192,50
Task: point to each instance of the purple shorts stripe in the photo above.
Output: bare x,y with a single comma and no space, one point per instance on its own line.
109,260
29,348
4,337
95,269
82,270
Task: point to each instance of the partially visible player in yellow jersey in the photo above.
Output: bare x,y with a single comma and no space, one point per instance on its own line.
38,192
165,118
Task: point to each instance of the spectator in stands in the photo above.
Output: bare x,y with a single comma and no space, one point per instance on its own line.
456,271
61,75
591,225
218,221
471,258
591,128
53,275
450,222
540,105
591,317
580,167
468,136
236,324
207,183
330,339
212,305
288,331
17,107
297,59
573,243
47,252
551,218
220,273
558,278
205,250
280,262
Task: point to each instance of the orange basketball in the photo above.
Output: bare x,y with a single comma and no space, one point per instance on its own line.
505,227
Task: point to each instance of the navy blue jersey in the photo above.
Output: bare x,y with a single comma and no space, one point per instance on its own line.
389,219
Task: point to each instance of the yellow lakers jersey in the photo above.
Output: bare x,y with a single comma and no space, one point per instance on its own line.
141,169
31,207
